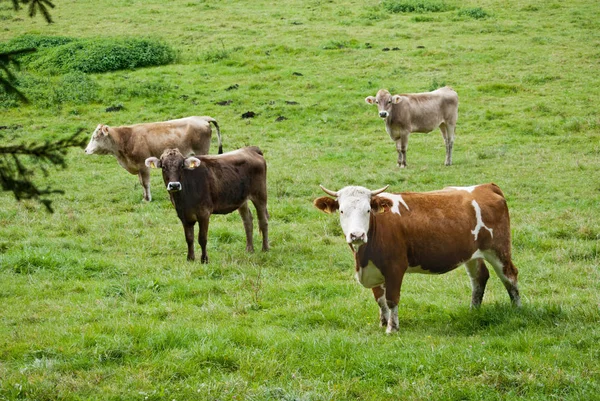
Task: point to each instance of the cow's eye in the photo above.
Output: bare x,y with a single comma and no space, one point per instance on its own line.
390,101
341,212
368,211
377,101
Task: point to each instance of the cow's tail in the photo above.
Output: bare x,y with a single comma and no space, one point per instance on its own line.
212,120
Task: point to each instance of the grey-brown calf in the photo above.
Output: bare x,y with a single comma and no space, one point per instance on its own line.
205,185
133,144
418,112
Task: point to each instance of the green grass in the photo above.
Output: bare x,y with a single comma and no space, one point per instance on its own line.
97,301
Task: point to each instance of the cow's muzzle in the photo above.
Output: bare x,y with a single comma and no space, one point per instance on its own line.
357,238
174,186
383,114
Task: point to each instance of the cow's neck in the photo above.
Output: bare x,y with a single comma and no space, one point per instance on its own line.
364,252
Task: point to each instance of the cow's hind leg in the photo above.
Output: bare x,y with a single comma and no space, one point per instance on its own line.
144,176
479,275
448,135
247,219
384,311
507,272
263,220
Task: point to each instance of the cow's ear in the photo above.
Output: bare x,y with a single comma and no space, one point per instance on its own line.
326,204
380,204
104,129
191,163
396,99
370,100
153,162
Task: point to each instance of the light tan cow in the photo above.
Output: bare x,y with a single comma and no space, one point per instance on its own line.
431,232
133,144
418,112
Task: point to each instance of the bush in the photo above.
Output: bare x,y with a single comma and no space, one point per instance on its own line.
103,55
34,41
475,13
416,6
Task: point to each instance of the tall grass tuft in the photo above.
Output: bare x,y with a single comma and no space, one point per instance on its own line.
416,6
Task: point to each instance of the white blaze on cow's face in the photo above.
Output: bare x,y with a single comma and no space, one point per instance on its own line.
355,212
101,143
384,101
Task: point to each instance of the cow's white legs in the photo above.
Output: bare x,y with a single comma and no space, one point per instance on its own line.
479,275
507,272
392,297
401,147
247,219
384,311
144,176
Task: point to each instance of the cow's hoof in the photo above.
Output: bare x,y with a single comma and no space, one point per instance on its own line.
250,249
204,260
391,330
383,323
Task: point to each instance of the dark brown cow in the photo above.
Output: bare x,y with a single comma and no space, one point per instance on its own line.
418,112
431,232
133,144
219,184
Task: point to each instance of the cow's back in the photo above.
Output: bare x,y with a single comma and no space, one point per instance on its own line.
440,230
190,135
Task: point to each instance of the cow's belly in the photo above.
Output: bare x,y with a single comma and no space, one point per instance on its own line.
370,276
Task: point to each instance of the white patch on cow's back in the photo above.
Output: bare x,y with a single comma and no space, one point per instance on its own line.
418,269
480,223
468,189
370,276
397,199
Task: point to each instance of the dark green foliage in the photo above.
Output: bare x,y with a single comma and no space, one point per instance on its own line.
416,6
35,41
103,55
475,13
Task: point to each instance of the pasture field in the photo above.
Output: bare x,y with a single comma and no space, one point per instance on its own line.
97,301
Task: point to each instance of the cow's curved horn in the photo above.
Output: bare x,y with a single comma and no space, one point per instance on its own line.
329,191
378,191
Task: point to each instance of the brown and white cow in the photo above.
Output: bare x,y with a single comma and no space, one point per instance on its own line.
430,232
418,112
205,185
133,144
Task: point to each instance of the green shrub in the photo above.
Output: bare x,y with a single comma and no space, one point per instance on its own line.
102,55
34,41
475,13
416,6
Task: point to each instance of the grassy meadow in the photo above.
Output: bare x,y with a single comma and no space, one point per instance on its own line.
97,301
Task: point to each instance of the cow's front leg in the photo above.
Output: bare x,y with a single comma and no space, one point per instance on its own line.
189,238
392,297
401,146
144,176
203,237
384,311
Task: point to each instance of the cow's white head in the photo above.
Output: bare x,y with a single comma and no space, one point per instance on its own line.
356,204
384,101
172,163
101,143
